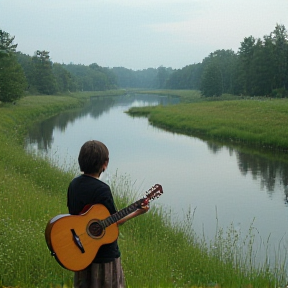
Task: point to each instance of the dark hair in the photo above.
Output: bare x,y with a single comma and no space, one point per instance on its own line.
93,154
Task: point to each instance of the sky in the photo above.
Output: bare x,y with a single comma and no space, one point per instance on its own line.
137,34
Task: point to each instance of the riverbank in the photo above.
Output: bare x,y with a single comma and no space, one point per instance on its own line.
33,191
186,96
254,122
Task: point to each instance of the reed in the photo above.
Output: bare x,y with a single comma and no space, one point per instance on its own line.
157,250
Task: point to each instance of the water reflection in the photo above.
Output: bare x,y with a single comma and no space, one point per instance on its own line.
270,168
41,134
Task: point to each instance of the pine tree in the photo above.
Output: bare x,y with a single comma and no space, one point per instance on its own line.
12,78
44,79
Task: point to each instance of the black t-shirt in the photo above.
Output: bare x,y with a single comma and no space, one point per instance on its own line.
86,190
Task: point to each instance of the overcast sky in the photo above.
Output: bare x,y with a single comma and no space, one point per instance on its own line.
137,34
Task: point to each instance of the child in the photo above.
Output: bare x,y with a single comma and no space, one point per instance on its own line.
105,271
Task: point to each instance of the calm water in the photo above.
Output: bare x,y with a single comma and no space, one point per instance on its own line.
217,181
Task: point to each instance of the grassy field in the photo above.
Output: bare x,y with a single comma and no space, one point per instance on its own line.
186,96
261,123
190,95
155,252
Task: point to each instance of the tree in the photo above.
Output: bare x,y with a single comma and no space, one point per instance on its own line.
262,68
189,77
218,73
162,76
12,78
146,78
99,79
28,67
44,79
246,53
279,39
64,80
92,77
211,84
6,44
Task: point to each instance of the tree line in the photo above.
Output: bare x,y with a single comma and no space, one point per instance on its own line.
151,78
259,67
45,77
37,74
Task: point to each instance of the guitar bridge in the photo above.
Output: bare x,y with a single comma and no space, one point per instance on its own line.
77,241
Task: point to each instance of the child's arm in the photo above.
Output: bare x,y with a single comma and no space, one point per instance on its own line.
133,215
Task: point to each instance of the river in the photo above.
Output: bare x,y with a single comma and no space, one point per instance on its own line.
222,185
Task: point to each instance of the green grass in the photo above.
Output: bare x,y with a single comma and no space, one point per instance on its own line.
192,94
186,96
156,251
253,122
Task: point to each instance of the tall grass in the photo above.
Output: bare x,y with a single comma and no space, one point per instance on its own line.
161,252
29,186
156,250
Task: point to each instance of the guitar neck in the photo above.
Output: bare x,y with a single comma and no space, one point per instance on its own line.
121,214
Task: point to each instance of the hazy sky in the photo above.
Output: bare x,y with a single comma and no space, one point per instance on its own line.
137,34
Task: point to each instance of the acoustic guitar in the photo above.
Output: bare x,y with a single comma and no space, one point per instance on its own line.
74,240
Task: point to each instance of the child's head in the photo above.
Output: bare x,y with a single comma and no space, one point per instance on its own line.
93,156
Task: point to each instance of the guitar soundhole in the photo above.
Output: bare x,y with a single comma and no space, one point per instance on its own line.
95,229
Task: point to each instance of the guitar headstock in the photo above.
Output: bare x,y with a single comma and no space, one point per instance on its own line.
154,192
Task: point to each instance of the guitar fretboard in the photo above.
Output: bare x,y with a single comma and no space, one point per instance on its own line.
121,214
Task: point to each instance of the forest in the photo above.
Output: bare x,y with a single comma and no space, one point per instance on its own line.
258,68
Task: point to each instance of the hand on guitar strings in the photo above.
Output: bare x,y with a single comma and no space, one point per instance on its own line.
136,213
143,209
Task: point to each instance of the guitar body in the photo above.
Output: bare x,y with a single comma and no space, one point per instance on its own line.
74,240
